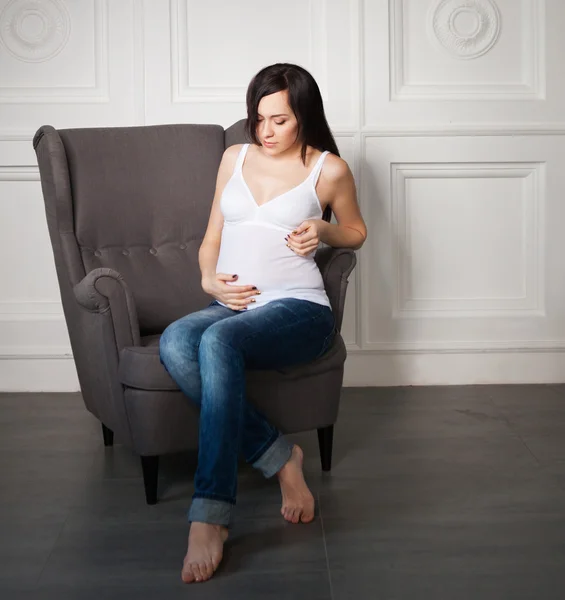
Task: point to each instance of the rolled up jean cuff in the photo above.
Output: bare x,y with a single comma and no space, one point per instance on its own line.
208,510
275,457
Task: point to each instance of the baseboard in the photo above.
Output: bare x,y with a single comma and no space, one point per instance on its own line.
58,374
34,374
466,368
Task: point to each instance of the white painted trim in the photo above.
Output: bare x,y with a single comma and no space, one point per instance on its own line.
363,370
48,374
458,347
19,173
31,308
139,60
36,353
463,129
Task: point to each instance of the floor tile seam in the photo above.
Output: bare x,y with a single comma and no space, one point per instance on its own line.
538,461
501,413
69,510
37,581
517,434
329,573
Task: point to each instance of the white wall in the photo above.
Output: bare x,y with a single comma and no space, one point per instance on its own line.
455,134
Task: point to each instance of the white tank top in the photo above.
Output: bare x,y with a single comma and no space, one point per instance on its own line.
253,244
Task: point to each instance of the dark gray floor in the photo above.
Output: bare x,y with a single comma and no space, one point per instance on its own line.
449,493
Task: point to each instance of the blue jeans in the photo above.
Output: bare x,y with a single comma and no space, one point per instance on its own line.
207,353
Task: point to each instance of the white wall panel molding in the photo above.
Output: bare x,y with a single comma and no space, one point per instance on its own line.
19,173
40,31
464,30
495,208
462,245
185,84
35,352
492,76
16,151
462,129
30,305
190,72
139,61
21,136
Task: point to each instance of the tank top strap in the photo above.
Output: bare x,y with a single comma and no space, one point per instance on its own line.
318,167
241,157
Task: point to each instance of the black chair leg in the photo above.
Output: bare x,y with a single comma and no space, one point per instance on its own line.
150,467
325,441
108,435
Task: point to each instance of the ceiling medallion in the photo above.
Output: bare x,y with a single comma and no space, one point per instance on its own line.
465,28
34,30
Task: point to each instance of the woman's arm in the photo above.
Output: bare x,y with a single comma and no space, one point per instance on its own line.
337,189
341,193
210,247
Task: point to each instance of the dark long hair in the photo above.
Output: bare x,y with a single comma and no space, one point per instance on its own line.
305,101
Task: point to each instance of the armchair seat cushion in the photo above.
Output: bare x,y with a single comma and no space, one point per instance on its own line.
141,368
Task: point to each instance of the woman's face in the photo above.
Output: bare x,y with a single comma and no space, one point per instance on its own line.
276,123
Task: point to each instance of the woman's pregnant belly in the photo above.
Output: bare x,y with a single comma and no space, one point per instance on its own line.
258,254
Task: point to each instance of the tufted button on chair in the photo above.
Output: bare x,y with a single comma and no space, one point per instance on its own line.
126,210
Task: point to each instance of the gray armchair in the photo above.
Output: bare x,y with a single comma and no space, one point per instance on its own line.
127,208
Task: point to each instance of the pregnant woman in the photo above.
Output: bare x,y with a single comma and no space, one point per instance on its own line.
270,308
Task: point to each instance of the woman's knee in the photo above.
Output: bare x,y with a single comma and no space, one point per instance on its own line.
176,342
218,336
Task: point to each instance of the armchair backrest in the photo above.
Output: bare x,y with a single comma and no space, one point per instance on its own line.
137,200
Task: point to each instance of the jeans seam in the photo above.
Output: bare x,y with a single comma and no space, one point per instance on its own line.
216,497
325,344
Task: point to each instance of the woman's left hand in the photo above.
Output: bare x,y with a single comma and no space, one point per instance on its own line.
305,238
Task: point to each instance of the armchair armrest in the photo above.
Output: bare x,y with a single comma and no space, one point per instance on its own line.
104,290
336,264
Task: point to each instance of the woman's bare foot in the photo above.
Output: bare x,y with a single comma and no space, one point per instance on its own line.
205,551
297,500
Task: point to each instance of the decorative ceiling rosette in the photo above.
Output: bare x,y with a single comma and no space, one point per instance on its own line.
34,30
465,28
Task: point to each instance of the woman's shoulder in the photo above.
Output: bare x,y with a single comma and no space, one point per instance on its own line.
233,150
229,157
335,168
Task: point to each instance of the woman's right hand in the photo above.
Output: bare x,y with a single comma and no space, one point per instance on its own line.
236,297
